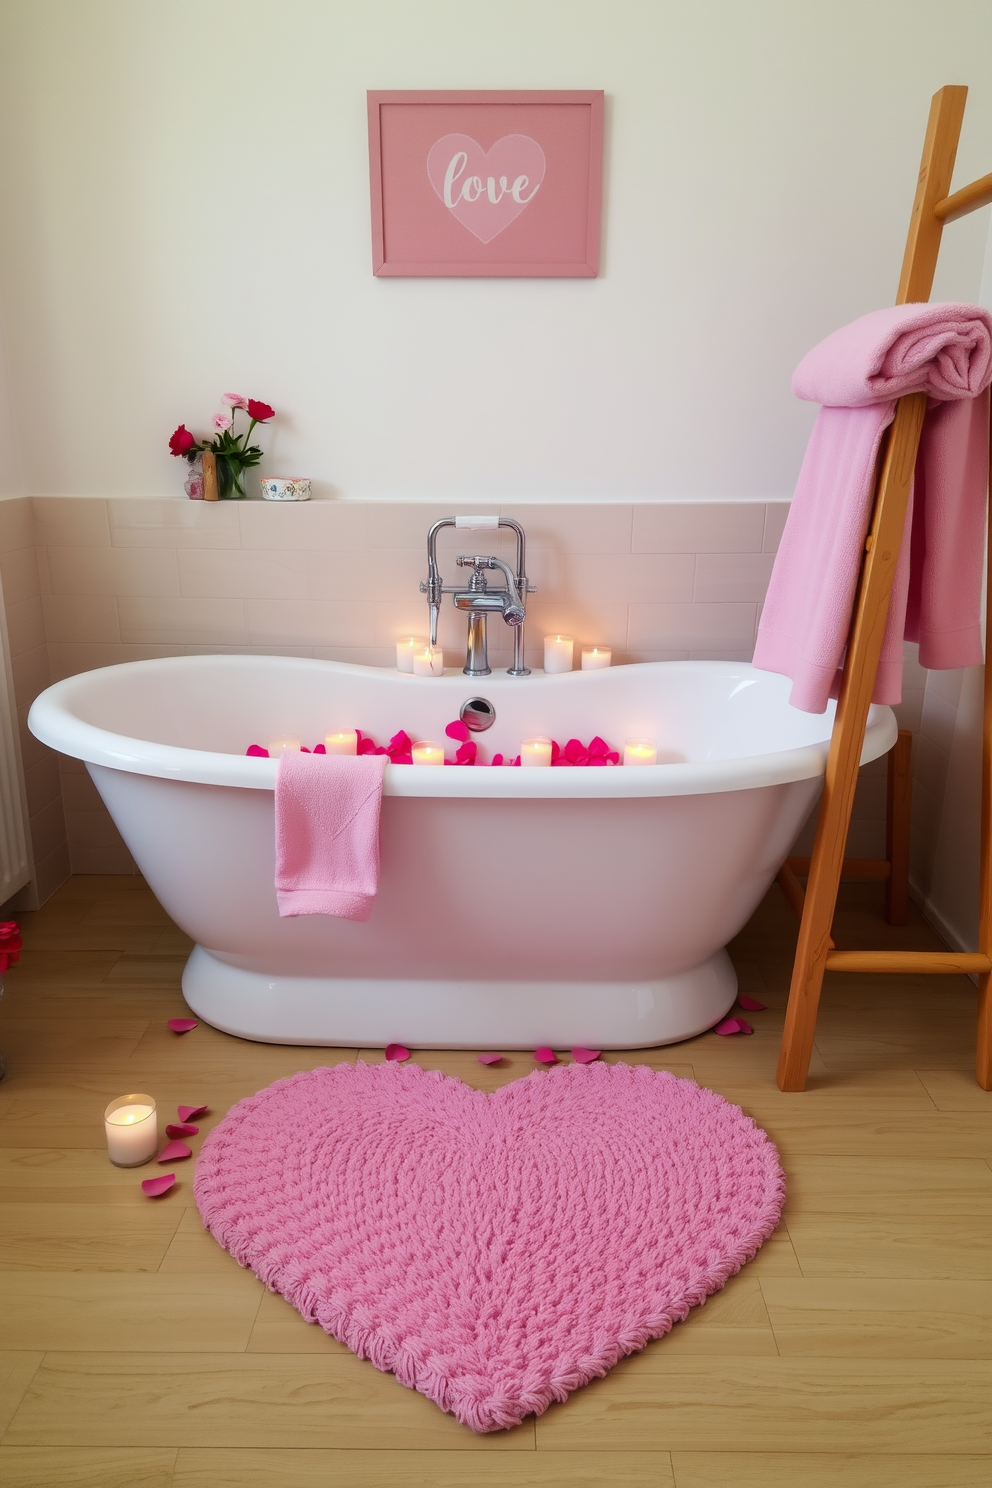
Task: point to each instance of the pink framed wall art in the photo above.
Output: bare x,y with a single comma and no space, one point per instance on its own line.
486,184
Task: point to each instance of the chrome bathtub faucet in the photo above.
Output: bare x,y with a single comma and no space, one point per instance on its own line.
476,599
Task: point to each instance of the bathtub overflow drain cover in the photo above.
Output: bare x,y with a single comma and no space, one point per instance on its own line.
477,714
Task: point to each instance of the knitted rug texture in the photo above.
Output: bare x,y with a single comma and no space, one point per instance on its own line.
495,1252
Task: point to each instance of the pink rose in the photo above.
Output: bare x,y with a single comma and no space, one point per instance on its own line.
236,400
222,421
260,412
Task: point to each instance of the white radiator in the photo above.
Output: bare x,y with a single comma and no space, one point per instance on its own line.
15,860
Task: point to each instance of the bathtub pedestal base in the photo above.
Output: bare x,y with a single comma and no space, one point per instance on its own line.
370,1013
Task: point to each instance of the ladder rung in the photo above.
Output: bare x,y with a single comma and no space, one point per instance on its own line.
860,868
928,963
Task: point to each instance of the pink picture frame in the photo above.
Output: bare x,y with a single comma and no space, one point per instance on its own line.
486,184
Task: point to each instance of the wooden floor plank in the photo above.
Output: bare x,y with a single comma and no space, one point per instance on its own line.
777,1405
144,1312
17,1369
891,1186
213,1468
940,1247
828,1470
87,1467
956,1090
235,1400
880,1318
85,1237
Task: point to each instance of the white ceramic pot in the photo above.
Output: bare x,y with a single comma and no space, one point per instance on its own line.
285,488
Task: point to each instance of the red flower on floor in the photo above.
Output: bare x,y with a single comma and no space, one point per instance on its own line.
10,943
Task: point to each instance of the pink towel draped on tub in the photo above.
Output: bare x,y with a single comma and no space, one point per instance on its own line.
858,373
327,833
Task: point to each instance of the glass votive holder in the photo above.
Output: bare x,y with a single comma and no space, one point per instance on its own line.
428,752
284,744
640,752
345,741
429,662
595,658
558,653
406,648
535,752
131,1126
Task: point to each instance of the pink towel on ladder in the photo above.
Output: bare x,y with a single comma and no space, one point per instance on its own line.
858,373
327,833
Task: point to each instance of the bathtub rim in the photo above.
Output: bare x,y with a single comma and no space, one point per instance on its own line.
52,721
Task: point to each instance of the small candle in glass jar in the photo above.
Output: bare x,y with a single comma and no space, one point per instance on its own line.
640,752
406,649
428,753
594,658
558,650
285,744
131,1126
429,662
345,741
535,752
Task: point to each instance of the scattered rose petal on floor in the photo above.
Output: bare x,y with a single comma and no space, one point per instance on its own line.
585,1056
183,1025
181,1129
751,1004
397,1052
155,1187
733,1025
190,1113
544,1055
490,1058
174,1152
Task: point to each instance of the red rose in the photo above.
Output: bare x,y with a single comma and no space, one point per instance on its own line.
260,412
10,943
182,441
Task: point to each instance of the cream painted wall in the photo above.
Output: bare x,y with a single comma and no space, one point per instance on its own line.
185,188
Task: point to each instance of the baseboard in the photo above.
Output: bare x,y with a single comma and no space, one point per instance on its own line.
948,934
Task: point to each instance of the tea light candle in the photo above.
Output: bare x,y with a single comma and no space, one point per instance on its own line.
640,752
595,658
428,662
428,753
558,651
132,1130
285,744
406,649
535,752
345,741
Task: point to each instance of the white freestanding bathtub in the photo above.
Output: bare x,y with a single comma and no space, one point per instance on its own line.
516,906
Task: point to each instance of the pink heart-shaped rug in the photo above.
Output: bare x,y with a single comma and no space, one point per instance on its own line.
486,191
494,1251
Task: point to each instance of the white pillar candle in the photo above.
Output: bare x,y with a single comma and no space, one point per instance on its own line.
640,752
132,1130
558,651
428,662
345,741
428,753
406,649
535,752
285,744
595,658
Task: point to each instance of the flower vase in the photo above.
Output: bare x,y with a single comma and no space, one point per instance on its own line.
230,479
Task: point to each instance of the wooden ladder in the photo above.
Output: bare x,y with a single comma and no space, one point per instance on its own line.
815,951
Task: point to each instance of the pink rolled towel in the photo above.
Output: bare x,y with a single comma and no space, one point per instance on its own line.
858,373
327,833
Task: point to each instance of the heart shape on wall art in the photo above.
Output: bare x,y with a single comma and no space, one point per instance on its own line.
486,191
494,1251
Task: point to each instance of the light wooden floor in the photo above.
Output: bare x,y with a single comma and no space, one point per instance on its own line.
854,1350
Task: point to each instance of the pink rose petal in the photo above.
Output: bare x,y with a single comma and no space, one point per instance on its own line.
751,1004
397,1052
190,1113
182,1025
465,753
457,730
257,749
155,1187
544,1055
733,1025
174,1152
320,749
181,1129
585,1056
490,1058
